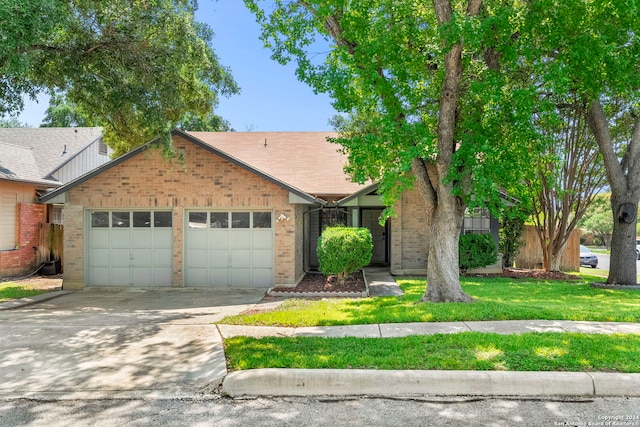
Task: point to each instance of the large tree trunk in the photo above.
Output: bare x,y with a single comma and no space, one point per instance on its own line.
443,274
622,267
624,179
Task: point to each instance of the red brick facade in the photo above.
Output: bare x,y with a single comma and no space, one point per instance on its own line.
24,258
204,180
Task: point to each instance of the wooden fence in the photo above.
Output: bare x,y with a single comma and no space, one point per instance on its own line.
530,256
50,247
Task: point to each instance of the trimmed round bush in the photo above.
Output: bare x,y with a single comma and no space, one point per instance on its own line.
477,250
344,250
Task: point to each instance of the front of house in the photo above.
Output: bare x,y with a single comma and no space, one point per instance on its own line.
230,210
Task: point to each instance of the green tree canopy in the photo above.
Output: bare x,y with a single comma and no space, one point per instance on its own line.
431,98
133,66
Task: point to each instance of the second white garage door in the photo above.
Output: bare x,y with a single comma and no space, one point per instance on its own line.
228,249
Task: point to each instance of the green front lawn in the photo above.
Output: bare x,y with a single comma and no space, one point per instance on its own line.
496,299
463,351
11,290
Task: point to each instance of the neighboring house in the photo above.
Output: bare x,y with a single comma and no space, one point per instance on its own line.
33,161
230,210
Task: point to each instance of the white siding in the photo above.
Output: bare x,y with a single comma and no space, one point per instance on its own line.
8,214
85,161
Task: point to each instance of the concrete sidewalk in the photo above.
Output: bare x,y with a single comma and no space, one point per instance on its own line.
358,382
394,330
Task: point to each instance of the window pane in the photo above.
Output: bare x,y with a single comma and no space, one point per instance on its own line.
262,220
162,219
142,219
99,219
240,220
120,219
219,219
197,220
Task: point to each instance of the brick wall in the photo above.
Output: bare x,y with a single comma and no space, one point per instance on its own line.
24,259
409,235
203,180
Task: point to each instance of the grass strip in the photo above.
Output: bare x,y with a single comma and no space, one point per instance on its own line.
571,352
11,290
496,298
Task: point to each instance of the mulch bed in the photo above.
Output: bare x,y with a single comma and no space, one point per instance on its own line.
516,273
317,282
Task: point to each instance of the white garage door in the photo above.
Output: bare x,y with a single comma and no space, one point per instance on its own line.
130,248
228,249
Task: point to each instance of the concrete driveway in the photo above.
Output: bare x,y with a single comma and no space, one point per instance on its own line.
118,342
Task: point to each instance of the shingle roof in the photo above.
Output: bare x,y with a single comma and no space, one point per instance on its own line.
305,160
31,154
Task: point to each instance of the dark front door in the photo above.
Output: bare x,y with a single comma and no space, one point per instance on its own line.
369,218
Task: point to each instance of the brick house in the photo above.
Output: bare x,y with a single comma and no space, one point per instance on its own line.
230,210
33,161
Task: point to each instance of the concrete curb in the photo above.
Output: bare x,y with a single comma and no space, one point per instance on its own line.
10,305
357,382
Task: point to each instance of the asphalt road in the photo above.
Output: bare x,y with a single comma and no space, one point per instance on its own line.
603,262
279,412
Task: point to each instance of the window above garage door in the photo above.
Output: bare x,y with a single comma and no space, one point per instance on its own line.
229,220
136,219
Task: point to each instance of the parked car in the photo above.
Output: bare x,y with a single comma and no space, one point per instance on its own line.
637,249
587,257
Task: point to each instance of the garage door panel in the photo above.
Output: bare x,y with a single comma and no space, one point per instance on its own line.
99,258
120,275
219,258
143,276
239,246
163,258
197,258
240,277
198,276
120,257
262,277
99,276
120,239
218,239
141,238
129,249
100,238
240,258
162,238
262,258
219,276
162,276
141,257
262,239
240,238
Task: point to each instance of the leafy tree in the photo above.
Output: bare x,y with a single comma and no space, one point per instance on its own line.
61,113
207,123
426,100
12,122
569,173
511,232
133,66
591,48
597,218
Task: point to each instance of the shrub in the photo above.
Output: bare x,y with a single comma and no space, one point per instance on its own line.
344,250
477,250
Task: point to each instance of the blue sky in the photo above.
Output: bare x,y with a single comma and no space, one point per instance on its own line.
271,97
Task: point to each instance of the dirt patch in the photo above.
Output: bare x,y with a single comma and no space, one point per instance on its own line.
44,283
516,273
316,282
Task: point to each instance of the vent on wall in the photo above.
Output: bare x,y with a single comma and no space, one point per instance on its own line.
102,148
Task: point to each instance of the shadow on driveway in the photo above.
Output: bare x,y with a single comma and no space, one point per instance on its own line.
141,341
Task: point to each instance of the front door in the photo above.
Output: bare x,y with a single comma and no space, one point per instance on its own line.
370,219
